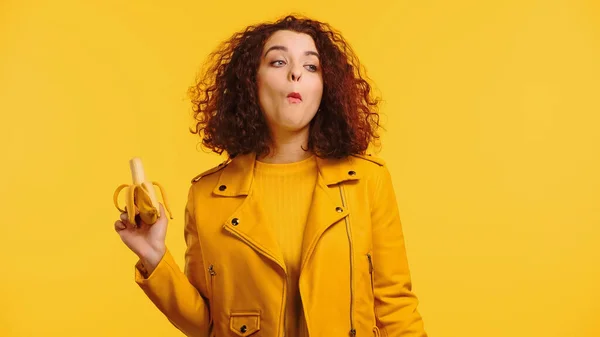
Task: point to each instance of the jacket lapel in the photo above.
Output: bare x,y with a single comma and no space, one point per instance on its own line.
249,222
326,208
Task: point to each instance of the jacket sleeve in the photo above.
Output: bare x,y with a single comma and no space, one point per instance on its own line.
395,303
179,295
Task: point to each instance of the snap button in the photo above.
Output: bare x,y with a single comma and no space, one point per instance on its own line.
222,188
339,209
352,173
245,323
235,221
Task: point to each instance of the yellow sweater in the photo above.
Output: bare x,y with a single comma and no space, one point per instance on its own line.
286,190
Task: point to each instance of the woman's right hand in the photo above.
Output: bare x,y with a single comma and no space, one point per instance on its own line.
146,241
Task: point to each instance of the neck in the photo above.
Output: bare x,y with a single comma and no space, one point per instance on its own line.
288,148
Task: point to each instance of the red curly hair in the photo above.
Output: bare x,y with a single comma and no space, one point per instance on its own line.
225,99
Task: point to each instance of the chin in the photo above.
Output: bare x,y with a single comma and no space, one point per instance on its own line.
294,127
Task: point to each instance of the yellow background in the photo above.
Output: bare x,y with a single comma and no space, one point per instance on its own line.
492,111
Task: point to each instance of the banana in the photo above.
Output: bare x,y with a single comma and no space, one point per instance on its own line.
141,197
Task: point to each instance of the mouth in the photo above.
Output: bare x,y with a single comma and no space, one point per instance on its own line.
294,97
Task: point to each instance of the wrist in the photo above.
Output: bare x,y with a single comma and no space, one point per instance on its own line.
151,258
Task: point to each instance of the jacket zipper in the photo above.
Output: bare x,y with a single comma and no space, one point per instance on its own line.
348,232
371,270
211,270
285,305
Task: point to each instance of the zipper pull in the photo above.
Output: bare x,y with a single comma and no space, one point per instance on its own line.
353,332
370,263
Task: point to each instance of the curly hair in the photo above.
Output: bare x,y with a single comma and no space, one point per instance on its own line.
225,98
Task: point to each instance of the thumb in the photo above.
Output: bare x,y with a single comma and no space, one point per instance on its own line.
162,211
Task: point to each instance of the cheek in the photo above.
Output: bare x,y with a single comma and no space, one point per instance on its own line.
317,91
266,98
318,83
263,93
266,89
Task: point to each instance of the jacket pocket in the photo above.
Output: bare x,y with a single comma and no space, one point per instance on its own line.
244,323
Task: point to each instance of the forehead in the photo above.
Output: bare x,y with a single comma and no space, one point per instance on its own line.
291,40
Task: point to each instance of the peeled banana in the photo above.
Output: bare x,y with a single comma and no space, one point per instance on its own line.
141,197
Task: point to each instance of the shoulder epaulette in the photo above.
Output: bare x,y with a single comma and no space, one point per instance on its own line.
377,160
211,171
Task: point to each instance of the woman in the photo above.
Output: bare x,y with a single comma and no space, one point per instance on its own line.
298,232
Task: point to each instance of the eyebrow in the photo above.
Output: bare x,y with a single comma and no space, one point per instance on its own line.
277,47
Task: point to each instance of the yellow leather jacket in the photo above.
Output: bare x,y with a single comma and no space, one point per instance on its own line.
354,278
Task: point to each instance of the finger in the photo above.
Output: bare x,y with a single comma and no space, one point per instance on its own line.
139,223
125,219
119,226
161,210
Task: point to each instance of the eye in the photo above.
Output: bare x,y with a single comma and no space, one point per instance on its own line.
278,63
312,67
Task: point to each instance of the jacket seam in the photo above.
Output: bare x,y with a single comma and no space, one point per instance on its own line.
382,328
202,257
351,248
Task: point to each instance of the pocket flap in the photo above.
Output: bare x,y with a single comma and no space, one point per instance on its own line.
244,323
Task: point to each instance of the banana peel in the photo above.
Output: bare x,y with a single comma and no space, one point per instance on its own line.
141,197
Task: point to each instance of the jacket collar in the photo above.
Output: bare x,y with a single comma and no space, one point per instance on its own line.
238,173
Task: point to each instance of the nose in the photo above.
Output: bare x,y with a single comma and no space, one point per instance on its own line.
295,75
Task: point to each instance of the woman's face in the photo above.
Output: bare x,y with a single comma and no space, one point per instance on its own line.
290,82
